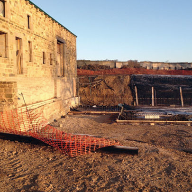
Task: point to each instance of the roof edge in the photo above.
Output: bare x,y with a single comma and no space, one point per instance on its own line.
49,16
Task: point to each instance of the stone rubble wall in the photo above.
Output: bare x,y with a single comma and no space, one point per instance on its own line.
8,94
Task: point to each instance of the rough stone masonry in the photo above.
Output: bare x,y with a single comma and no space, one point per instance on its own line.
37,59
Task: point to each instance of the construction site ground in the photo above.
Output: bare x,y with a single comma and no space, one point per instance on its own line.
164,161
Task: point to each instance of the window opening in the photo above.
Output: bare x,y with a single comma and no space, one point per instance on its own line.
2,8
19,55
60,57
51,60
29,21
30,50
3,44
44,58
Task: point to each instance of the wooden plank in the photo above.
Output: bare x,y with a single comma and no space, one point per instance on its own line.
91,112
151,121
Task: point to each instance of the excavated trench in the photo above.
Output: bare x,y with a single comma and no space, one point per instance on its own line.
105,90
110,90
105,93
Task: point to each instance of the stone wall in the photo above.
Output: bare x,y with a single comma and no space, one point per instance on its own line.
29,39
136,64
8,96
166,66
110,63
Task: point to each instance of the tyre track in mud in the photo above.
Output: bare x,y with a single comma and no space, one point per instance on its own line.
16,170
22,165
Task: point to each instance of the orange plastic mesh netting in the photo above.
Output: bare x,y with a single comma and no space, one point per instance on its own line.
24,122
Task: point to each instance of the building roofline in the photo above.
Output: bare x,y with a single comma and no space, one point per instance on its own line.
50,16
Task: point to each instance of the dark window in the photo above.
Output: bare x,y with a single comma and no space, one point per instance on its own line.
44,58
2,8
30,50
51,59
29,21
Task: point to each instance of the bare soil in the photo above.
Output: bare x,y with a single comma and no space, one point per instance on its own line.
164,161
105,90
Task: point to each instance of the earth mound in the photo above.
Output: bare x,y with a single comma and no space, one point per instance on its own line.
105,90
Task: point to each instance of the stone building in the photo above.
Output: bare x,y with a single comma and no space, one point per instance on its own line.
110,63
166,65
37,60
136,64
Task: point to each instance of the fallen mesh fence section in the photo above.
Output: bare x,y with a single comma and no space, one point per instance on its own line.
29,123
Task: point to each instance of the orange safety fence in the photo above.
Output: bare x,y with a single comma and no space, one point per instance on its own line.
28,123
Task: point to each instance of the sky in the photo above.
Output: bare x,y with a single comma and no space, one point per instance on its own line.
143,30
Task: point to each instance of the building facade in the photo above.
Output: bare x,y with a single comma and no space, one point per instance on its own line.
109,63
166,66
37,60
137,64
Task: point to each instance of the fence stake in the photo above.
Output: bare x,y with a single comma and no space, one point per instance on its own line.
153,104
181,95
136,94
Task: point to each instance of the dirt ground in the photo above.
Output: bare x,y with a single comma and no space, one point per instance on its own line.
109,90
164,161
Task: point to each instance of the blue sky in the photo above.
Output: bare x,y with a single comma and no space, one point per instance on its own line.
143,30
